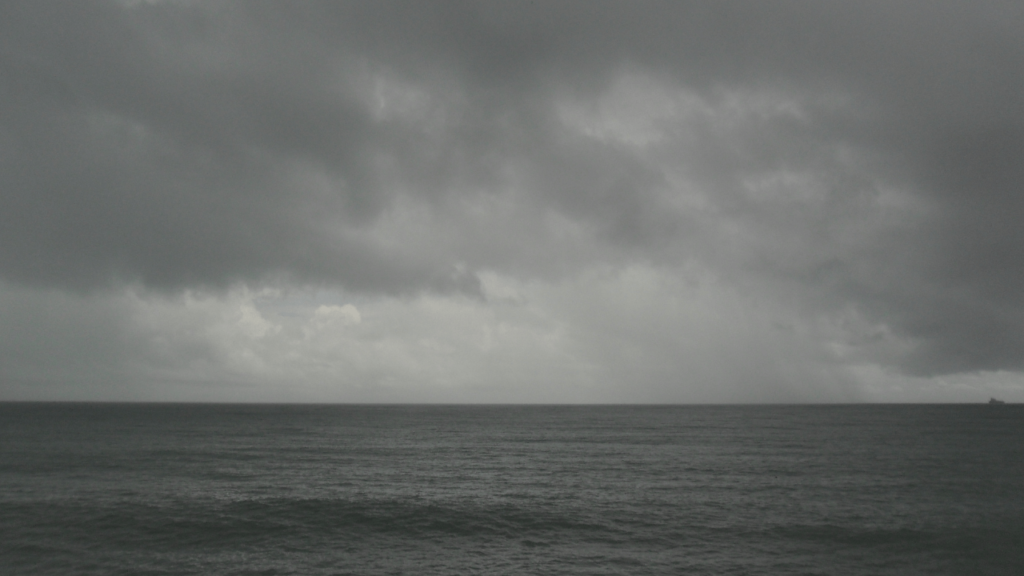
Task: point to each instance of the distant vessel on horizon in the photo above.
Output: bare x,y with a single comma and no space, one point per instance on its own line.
995,401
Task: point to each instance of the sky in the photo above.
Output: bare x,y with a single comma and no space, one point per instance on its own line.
515,201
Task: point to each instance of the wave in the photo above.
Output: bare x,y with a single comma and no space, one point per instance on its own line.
226,523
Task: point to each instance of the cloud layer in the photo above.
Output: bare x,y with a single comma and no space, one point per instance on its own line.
679,201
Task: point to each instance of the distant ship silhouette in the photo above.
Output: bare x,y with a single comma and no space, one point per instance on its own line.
994,401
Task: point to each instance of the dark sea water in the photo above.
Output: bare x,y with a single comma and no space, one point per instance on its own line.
269,490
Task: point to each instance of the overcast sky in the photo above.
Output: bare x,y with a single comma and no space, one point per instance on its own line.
512,201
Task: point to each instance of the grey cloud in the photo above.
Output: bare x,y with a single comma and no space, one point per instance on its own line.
160,143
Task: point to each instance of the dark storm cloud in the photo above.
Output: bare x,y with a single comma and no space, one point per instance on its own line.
171,143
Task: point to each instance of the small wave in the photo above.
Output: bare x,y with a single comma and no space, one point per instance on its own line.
412,518
217,524
844,535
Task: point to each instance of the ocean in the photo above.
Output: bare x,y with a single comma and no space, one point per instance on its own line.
162,489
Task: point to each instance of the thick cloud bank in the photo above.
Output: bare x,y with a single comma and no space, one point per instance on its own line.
512,201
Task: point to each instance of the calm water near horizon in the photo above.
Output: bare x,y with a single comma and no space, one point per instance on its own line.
165,489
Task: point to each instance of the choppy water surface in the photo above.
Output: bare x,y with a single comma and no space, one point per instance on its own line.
219,489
